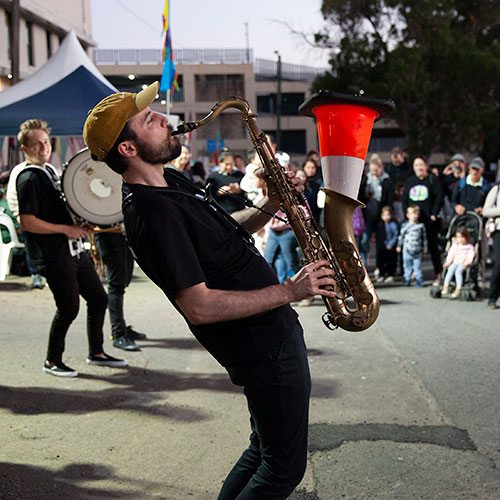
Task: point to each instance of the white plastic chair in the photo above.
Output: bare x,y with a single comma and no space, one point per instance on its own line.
7,248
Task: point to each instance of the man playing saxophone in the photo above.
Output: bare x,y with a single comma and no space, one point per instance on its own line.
207,266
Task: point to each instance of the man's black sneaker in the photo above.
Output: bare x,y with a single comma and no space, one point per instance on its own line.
106,360
59,370
126,344
135,335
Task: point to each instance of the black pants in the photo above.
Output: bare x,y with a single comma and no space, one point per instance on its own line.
277,391
432,228
495,275
119,263
386,261
68,277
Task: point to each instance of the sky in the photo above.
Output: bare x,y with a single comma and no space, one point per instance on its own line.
213,24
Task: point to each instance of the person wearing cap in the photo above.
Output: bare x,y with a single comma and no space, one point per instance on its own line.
207,266
470,191
56,240
469,195
449,176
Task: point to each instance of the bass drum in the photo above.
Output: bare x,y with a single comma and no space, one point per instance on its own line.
92,190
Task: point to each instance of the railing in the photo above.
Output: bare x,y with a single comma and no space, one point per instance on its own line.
181,56
263,68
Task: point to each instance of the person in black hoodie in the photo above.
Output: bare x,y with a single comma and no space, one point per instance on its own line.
399,170
424,189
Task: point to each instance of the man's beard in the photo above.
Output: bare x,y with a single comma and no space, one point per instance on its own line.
160,154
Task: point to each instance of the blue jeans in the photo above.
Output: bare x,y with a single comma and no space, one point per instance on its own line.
455,269
286,242
412,263
365,239
119,263
277,388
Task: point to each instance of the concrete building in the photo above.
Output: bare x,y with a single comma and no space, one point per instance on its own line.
41,25
211,75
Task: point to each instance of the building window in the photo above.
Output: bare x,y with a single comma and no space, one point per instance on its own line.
292,141
178,95
9,35
290,102
226,126
29,38
386,143
49,44
210,88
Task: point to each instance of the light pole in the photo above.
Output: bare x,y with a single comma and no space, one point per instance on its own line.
278,103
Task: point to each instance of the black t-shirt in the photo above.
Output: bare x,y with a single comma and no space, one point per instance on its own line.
229,202
426,193
180,240
38,196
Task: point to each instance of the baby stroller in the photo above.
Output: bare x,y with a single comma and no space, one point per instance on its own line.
474,224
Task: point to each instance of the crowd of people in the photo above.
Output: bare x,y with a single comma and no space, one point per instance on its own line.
408,209
192,232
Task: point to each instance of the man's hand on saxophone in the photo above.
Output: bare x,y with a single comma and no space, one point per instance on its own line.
312,280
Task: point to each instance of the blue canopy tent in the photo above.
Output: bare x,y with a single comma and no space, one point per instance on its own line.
60,92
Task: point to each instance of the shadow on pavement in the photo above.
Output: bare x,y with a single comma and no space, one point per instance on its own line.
32,482
168,343
44,400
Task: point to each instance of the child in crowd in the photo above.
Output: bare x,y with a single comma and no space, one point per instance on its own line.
413,241
386,237
460,256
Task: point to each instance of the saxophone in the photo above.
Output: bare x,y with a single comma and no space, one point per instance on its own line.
356,304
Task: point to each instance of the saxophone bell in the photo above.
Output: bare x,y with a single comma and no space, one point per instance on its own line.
344,125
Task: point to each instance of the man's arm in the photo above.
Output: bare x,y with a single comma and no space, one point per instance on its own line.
253,219
33,224
202,305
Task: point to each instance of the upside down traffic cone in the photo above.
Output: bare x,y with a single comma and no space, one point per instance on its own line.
345,125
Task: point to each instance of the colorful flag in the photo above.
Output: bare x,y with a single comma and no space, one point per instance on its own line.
169,76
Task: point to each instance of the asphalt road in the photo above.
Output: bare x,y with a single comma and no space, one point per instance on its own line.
406,410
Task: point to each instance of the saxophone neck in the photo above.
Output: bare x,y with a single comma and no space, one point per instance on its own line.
237,102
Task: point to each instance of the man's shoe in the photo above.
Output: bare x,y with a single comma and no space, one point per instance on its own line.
106,360
420,283
37,282
407,283
492,304
59,369
126,344
135,335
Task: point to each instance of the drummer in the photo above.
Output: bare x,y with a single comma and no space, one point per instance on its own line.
55,243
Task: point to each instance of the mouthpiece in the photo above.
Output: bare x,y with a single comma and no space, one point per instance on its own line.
184,128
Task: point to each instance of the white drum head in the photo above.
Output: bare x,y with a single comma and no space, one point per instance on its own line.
93,191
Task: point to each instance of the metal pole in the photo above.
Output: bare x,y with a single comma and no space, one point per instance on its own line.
14,42
278,103
248,42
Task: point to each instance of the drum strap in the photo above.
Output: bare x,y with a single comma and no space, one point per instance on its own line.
75,245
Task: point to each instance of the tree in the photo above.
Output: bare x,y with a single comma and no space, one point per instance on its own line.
439,60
